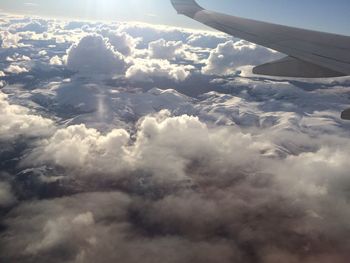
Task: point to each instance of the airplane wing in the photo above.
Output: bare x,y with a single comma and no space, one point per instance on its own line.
310,54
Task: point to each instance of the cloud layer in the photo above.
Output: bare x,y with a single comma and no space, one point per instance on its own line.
125,142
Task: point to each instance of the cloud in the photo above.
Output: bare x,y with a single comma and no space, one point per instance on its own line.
56,60
70,225
9,40
171,50
77,146
149,33
122,42
17,57
227,57
36,26
206,39
17,121
6,196
108,60
42,53
144,70
213,188
84,146
56,232
16,69
94,54
71,25
161,49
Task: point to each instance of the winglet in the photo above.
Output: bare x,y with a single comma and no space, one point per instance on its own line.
186,7
346,114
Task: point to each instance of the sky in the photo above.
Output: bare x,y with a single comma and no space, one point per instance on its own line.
328,16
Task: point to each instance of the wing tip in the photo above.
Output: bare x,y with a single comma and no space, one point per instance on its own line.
345,115
186,7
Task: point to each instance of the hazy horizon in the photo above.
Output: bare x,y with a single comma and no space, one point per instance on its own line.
314,14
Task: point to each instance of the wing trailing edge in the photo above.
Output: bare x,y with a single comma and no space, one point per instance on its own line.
345,115
295,68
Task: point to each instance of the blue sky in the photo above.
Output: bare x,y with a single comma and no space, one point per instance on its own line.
324,15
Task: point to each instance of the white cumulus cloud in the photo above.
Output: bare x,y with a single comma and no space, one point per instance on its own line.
18,121
9,40
56,60
144,70
36,26
16,69
94,54
227,57
174,139
162,49
121,41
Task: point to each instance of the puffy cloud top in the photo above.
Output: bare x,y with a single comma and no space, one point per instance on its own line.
145,70
34,26
78,146
121,41
9,40
173,139
230,55
17,121
15,69
206,40
95,55
162,49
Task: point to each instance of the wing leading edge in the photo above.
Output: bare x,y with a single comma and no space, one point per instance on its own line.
311,54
